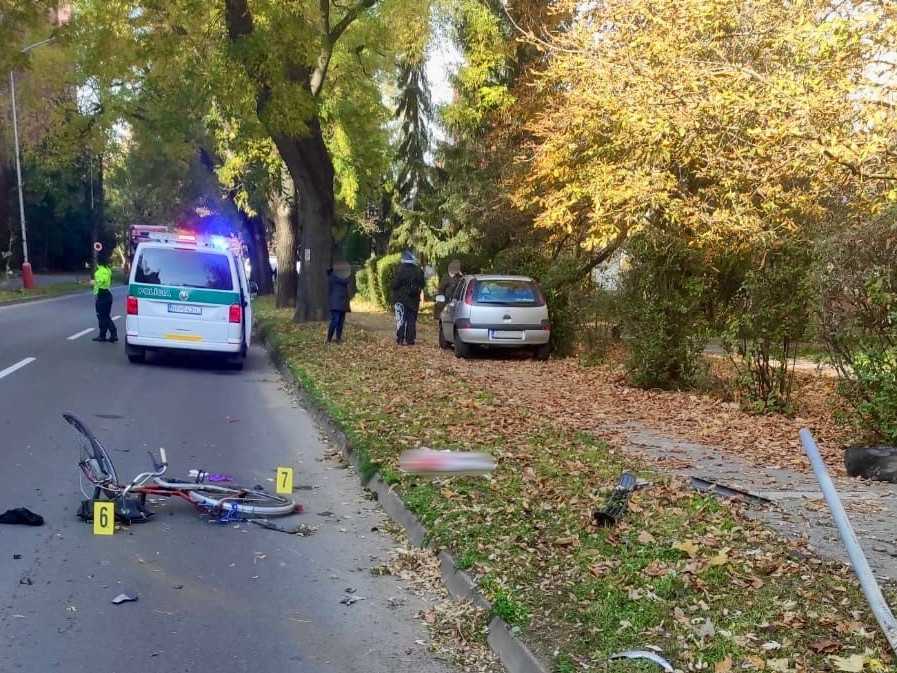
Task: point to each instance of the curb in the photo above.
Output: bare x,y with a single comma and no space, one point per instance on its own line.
514,655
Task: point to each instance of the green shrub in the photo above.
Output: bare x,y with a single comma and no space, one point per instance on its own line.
386,271
373,294
663,311
362,282
858,287
767,320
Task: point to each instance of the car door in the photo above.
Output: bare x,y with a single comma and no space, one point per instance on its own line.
447,320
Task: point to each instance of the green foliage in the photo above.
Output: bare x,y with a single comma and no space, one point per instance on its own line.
858,285
386,271
768,319
373,294
362,282
663,294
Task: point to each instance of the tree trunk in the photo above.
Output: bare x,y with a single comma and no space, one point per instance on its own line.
312,171
261,267
282,210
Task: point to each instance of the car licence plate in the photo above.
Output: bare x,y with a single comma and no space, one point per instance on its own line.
505,335
184,308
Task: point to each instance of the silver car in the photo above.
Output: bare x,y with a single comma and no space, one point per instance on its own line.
495,311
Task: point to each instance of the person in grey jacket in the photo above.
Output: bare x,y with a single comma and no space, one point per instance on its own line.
407,285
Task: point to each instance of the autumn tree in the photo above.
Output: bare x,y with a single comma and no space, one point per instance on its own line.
729,122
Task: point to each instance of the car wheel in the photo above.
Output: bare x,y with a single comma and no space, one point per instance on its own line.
441,336
135,355
462,350
543,352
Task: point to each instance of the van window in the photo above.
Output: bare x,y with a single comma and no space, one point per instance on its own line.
507,292
184,268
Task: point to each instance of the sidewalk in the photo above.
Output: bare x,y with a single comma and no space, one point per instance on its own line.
44,279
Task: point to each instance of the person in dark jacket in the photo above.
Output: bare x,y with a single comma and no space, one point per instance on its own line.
338,299
406,288
448,285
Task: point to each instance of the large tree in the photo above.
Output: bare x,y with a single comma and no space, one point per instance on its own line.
289,86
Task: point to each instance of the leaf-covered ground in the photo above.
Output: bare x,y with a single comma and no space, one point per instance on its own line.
684,572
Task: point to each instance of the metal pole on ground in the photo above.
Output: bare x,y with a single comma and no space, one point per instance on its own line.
874,597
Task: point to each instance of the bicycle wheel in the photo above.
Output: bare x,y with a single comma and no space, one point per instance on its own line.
94,460
245,502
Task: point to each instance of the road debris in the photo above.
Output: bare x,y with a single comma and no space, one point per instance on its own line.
124,598
22,517
351,600
301,529
614,508
643,654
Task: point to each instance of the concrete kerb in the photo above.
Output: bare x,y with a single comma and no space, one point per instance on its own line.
514,655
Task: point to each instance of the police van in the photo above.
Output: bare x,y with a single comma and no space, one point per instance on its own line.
188,294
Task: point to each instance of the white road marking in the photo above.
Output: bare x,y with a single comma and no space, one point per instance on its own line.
115,317
80,334
16,367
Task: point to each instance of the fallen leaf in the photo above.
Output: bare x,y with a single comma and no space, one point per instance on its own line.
826,646
645,537
723,666
778,665
720,559
852,664
688,547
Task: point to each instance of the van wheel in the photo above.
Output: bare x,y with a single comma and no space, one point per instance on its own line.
462,350
542,352
135,355
236,362
441,335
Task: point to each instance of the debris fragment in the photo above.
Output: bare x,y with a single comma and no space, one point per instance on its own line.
22,517
613,509
300,529
643,654
124,598
351,600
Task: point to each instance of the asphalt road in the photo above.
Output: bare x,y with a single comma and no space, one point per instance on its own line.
212,597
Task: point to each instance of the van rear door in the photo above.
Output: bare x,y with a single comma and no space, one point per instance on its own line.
184,295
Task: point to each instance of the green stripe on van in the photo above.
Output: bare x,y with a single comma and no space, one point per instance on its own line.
187,294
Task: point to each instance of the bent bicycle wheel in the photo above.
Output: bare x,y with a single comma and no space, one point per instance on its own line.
243,502
94,460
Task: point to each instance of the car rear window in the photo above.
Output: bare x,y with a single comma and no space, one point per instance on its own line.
507,292
184,268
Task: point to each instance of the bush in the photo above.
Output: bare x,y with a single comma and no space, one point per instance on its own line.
768,319
858,287
373,293
663,311
386,271
362,282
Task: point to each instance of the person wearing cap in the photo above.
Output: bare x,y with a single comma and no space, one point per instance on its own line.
102,284
406,288
448,285
338,299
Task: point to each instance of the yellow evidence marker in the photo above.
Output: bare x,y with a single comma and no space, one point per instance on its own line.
103,518
284,480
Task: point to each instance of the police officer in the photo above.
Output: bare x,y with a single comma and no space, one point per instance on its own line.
102,282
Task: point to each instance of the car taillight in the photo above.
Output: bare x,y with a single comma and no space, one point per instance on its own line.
468,296
462,323
236,313
546,325
133,306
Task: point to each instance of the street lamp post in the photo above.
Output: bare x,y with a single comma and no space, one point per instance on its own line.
27,276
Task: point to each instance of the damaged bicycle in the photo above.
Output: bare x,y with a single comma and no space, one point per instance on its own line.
99,481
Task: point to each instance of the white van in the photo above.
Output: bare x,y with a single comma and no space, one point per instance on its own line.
188,295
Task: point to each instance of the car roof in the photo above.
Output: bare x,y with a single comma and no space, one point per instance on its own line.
499,276
185,246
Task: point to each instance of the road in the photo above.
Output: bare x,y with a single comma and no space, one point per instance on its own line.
212,597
